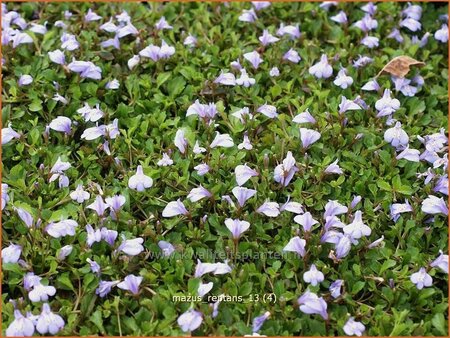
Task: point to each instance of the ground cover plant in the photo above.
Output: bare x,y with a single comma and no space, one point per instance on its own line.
224,169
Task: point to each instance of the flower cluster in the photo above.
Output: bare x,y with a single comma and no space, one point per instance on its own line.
138,140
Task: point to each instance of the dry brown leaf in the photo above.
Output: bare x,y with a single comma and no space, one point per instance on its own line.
400,66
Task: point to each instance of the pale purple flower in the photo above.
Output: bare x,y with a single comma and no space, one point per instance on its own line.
197,149
367,23
326,5
64,252
370,41
421,279
343,80
133,62
442,34
244,173
308,137
93,133
313,276
131,247
41,292
341,18
25,80
180,141
99,206
259,321
165,161
236,64
297,245
248,15
109,235
310,303
347,105
109,27
441,262
25,216
203,268
8,134
190,320
261,4
49,322
20,326
69,42
268,110
335,288
395,34
205,111
334,168
332,222
86,69
334,208
306,221
353,328
203,289
93,236
244,79
293,207
399,208
266,38
21,38
190,41
62,124
322,69
274,72
369,8
91,16
91,114
196,194
11,254
175,208
222,140
254,58
442,185
115,202
291,30
236,227
115,42
95,267
362,61
113,84
105,287
304,117
243,114
131,283
243,194
140,181
434,205
386,105
222,268
412,24
409,154
166,248
112,129
126,30
270,209
372,85
163,24
292,55
5,197
227,79
357,228
285,171
123,17
396,136
62,228
245,143
202,169
343,246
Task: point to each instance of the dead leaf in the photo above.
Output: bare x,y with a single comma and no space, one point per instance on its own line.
400,66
